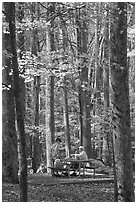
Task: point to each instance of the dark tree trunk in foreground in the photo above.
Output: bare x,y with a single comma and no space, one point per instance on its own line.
120,105
19,110
9,136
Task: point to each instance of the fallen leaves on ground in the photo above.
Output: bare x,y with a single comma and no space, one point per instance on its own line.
82,192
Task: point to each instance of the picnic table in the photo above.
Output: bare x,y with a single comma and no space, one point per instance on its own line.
68,163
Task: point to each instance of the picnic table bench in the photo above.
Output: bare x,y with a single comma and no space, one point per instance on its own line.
68,163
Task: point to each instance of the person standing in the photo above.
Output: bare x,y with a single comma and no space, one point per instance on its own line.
56,154
55,149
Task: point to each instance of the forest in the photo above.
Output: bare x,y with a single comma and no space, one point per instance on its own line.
68,71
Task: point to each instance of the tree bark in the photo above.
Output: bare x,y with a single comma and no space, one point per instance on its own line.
80,115
9,136
83,89
18,102
107,63
106,138
35,152
120,104
36,90
97,65
49,119
86,92
80,82
66,121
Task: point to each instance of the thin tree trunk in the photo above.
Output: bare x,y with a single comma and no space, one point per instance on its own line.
18,102
52,118
80,82
49,119
35,152
97,66
120,104
66,121
80,115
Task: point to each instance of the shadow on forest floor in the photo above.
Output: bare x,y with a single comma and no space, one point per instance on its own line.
42,188
45,179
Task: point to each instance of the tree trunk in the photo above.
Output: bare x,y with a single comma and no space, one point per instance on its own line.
66,121
21,47
97,66
35,152
65,97
80,81
9,136
106,68
106,64
86,92
83,89
18,102
35,144
49,119
80,115
120,104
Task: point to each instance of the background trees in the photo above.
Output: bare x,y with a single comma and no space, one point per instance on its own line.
63,54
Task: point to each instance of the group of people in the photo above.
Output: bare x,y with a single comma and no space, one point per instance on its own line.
55,155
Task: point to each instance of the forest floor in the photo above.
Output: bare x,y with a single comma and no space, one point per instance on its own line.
43,188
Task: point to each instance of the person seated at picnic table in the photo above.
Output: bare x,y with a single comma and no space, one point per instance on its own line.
78,156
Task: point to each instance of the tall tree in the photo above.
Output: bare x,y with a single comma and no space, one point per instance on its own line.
21,48
9,136
50,118
36,90
80,81
85,86
106,75
97,65
18,103
106,62
120,104
65,94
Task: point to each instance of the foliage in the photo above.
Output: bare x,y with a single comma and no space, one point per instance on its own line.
67,62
